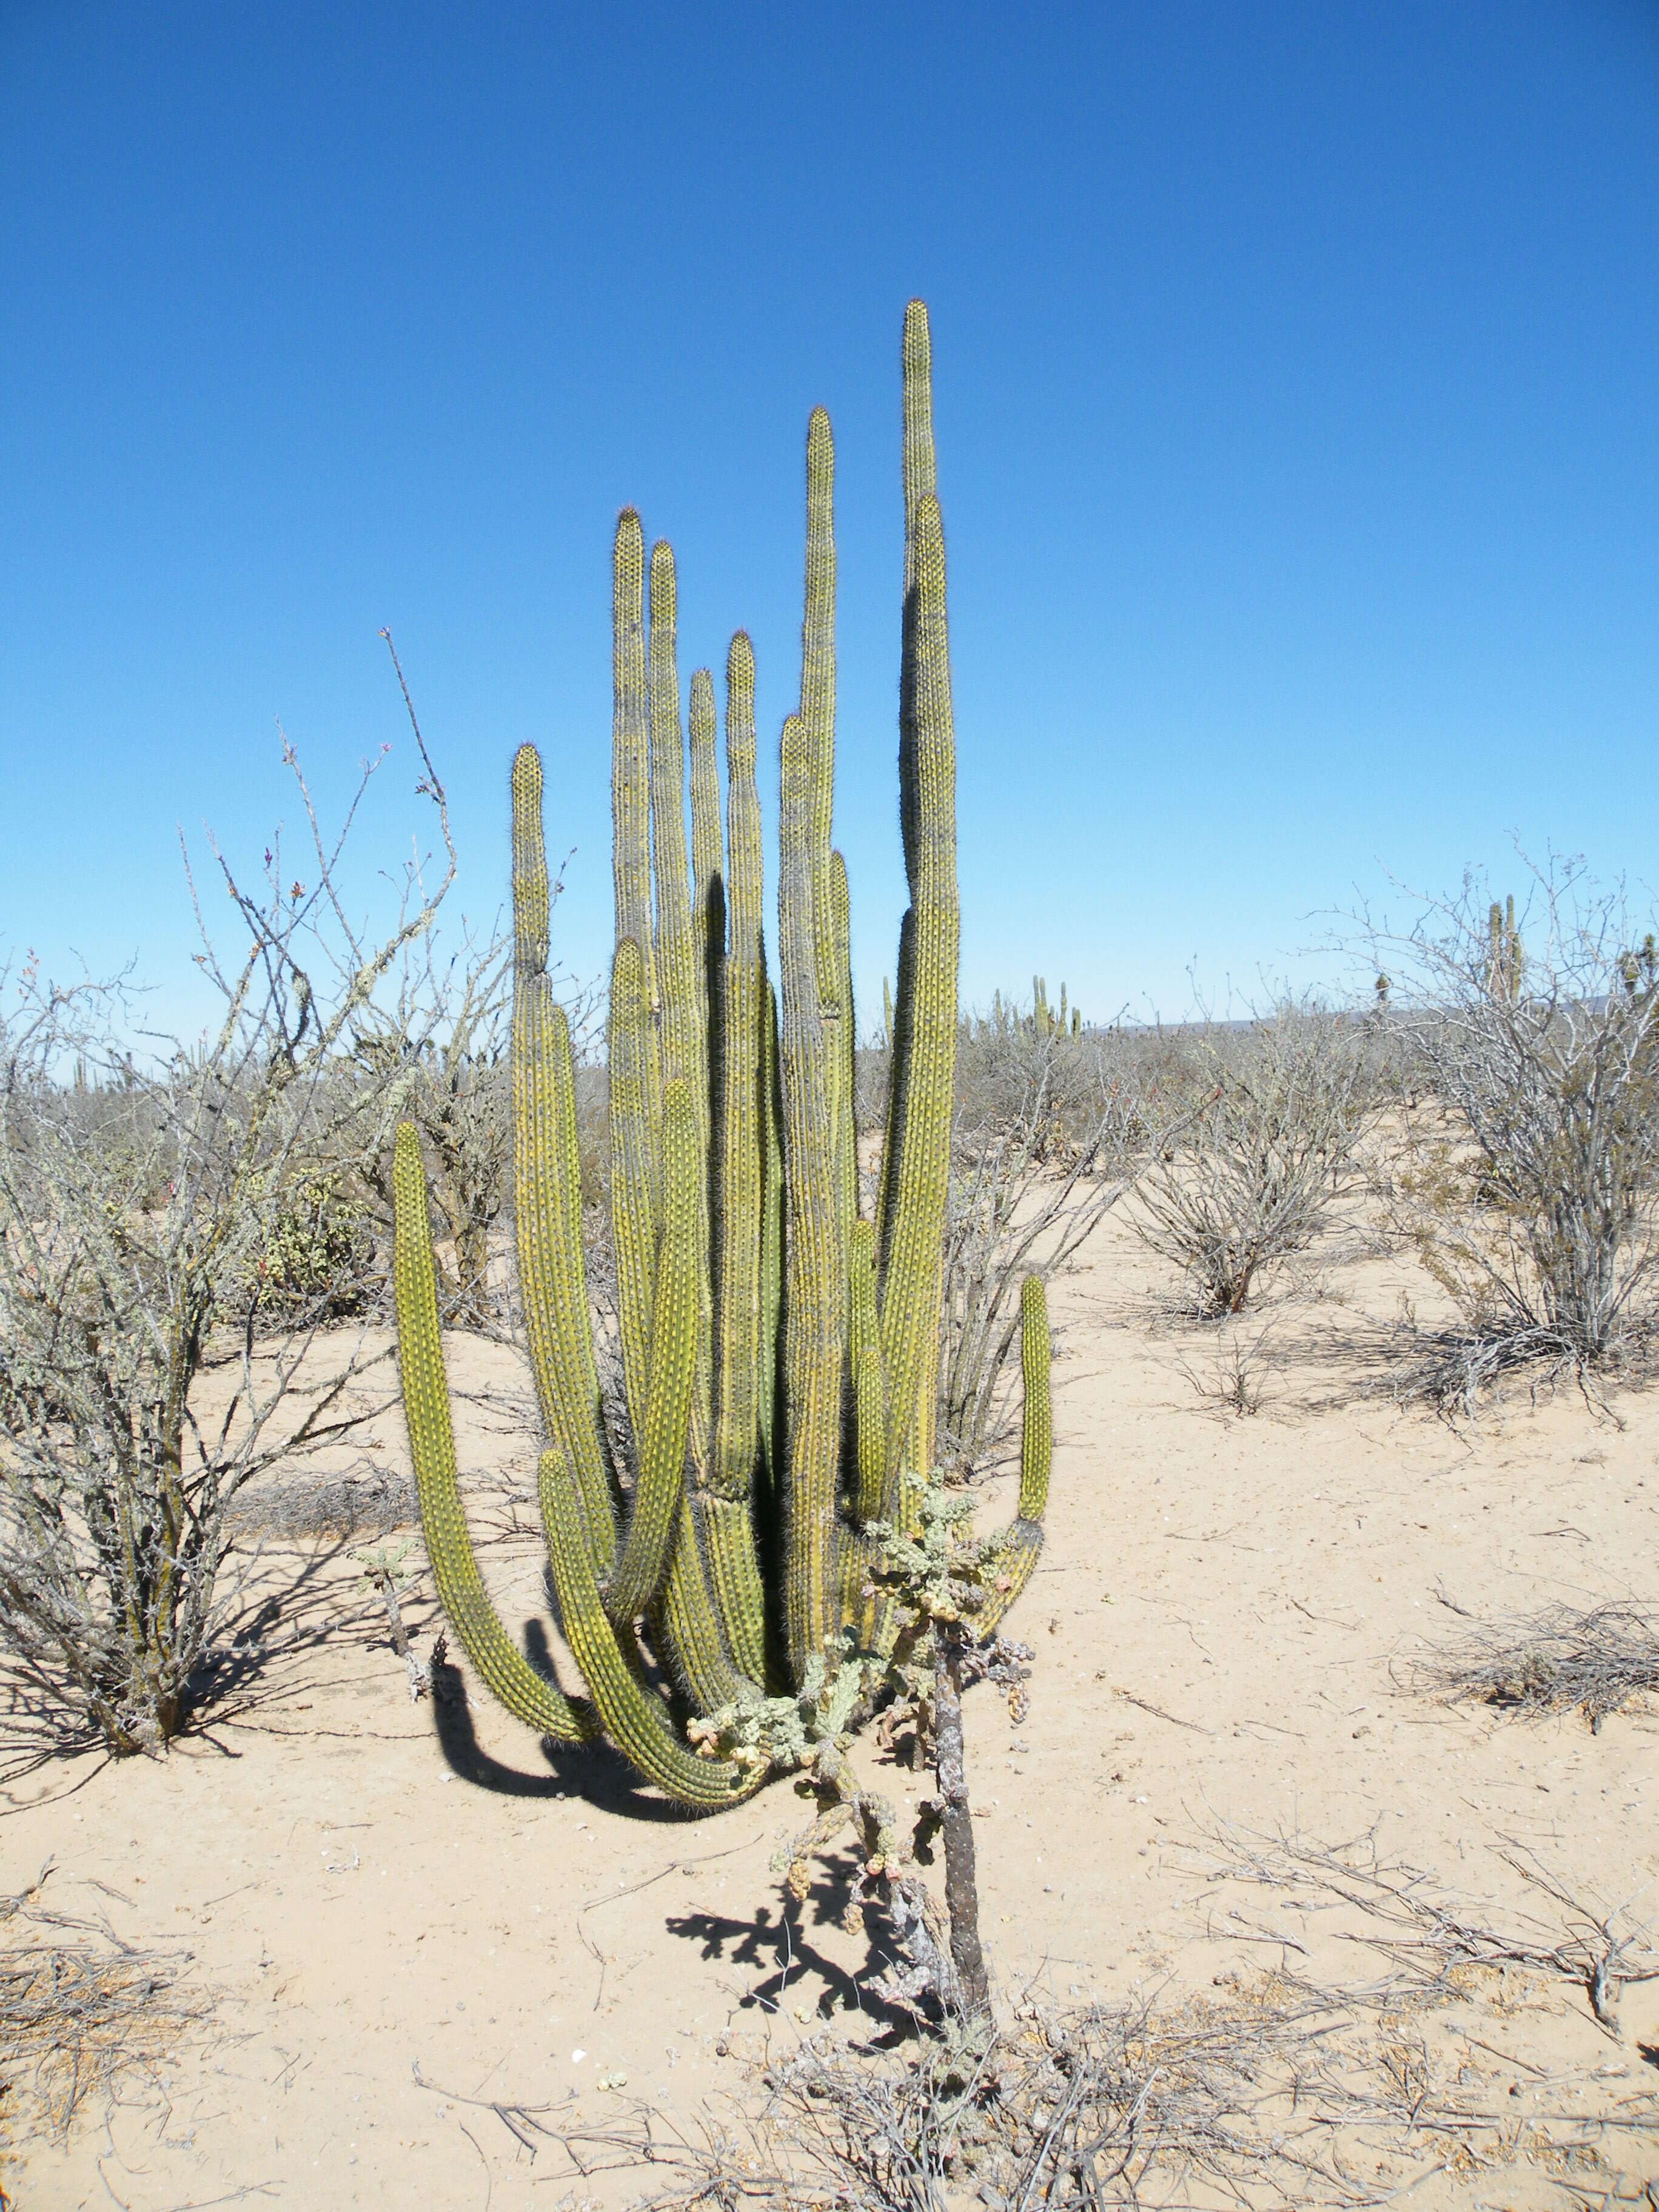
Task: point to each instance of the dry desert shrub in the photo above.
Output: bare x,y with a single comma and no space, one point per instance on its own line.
1254,1168
137,1212
1523,1173
1047,1126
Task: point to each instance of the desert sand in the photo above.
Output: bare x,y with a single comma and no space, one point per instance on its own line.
401,1917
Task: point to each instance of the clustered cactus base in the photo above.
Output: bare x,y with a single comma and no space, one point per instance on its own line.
773,1550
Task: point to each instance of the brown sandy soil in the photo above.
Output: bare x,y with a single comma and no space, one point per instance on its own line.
403,1914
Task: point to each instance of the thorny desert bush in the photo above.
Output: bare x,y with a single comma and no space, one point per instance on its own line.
132,1224
1047,1129
1250,1173
1525,1174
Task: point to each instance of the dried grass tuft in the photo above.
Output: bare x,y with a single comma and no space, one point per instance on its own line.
300,1502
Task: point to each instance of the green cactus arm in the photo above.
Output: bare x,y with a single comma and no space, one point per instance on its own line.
920,481
921,467
723,1523
680,978
1021,1547
682,1013
631,755
662,1441
772,1241
690,1619
898,1064
547,1204
869,1384
634,1076
548,1172
635,1717
530,904
734,1577
844,1044
817,692
1037,1425
705,796
814,1300
633,1171
911,1286
861,1604
501,1665
742,1060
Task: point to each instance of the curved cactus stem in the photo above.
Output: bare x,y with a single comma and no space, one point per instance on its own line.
547,1173
1023,1542
688,1618
635,1717
548,1210
501,1665
662,1442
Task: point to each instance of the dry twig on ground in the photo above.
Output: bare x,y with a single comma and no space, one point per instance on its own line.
1407,1916
1560,1660
79,2008
1239,1370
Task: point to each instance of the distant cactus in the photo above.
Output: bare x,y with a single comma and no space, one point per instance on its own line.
1638,970
1506,958
748,1279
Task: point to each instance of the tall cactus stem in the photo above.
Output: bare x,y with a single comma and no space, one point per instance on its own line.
813,1356
662,1443
547,1211
912,1286
501,1665
818,694
630,761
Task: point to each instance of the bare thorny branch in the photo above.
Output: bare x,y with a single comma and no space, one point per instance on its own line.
135,1213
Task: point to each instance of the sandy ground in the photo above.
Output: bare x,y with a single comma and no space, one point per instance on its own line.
404,1916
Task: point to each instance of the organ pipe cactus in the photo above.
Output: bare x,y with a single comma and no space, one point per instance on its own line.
779,1348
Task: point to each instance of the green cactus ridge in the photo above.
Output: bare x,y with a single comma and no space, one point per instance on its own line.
779,1350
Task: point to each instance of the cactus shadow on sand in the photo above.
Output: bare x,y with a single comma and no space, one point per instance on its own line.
593,1771
783,1947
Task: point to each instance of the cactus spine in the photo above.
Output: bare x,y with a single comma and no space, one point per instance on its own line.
779,1350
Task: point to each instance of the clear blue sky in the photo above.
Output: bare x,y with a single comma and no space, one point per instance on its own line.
1296,391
